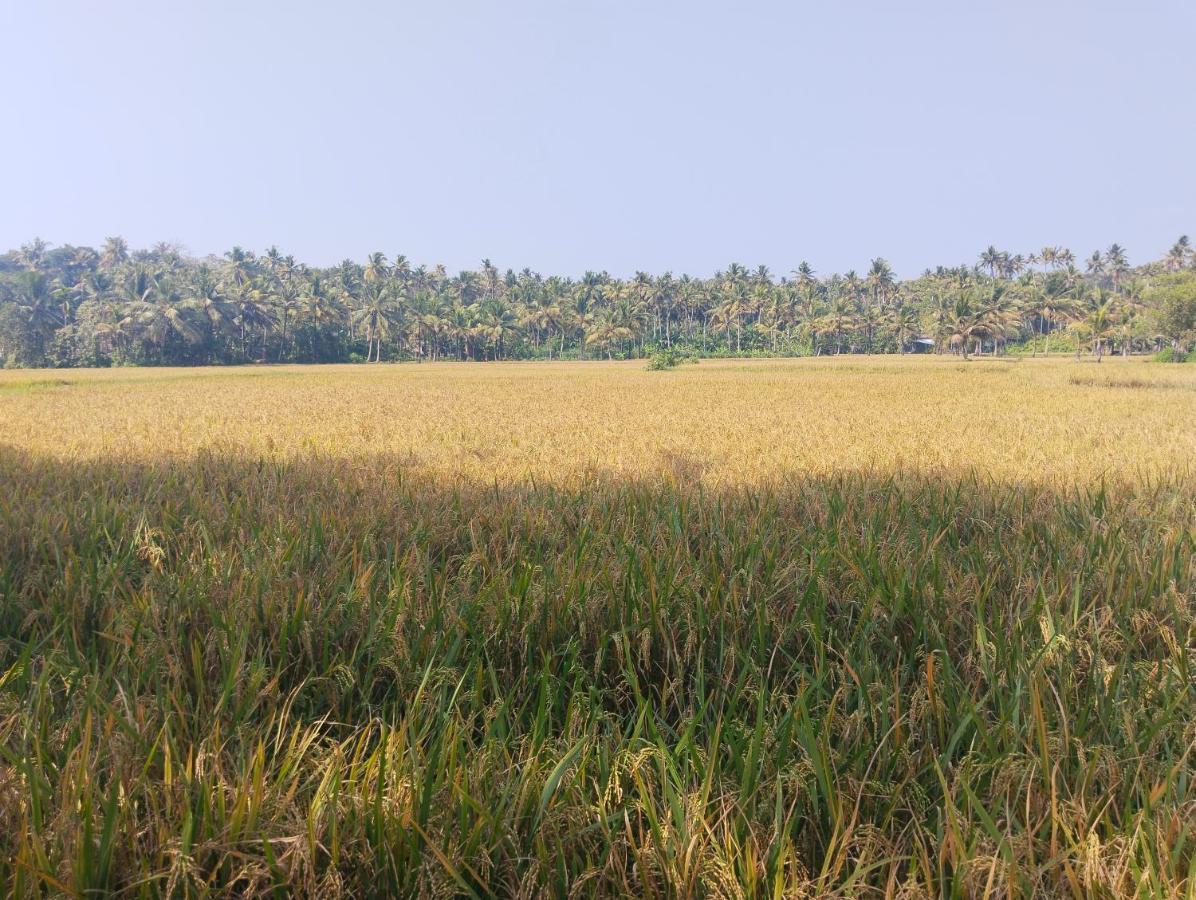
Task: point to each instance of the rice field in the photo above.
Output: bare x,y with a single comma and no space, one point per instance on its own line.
852,627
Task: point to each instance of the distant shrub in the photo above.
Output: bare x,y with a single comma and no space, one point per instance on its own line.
664,359
1170,354
1036,345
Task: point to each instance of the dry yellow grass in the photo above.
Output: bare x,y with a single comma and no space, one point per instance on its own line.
1053,421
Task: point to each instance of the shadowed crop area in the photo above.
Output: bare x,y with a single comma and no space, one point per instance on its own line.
849,627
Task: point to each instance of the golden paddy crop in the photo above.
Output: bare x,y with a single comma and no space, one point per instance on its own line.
729,422
839,627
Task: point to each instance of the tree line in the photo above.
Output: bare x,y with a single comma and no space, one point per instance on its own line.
77,306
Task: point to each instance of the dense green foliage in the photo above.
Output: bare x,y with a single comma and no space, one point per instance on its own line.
1174,298
74,306
335,676
668,358
1170,354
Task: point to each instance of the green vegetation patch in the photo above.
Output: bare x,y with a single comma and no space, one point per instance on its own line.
40,384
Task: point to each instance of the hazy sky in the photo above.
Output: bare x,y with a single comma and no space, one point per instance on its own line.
568,135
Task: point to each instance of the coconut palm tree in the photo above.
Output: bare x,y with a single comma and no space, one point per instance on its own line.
1131,307
40,306
378,314
209,301
1005,319
904,320
31,255
114,332
1117,265
1179,254
880,282
627,312
376,267
458,322
285,297
165,314
321,310
726,312
252,302
991,259
273,260
549,316
1044,300
971,317
662,296
604,334
115,253
1099,324
734,302
808,287
942,307
693,298
240,266
496,324
492,284
426,326
774,310
868,317
839,318
1049,256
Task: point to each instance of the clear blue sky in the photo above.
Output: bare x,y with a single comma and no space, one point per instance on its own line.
567,135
